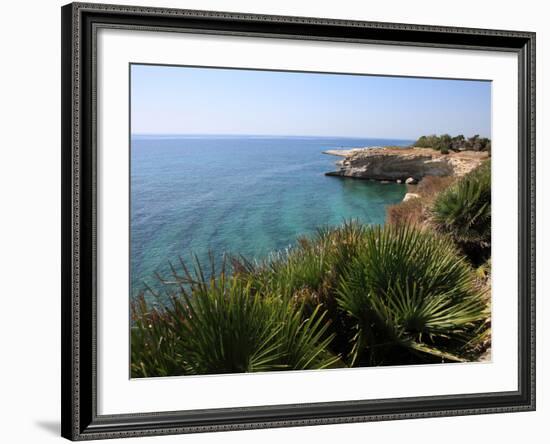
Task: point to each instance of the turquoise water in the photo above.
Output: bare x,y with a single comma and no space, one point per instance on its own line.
240,195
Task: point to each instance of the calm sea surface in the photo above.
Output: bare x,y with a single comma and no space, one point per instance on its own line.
240,195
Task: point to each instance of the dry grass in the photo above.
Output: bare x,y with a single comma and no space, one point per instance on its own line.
411,211
432,185
416,211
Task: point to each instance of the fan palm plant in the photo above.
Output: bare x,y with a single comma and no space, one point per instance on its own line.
156,342
314,264
464,212
222,325
348,296
410,294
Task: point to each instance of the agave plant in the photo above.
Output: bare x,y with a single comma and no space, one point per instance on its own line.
411,295
464,212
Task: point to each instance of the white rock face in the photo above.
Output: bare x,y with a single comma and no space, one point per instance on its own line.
394,164
410,196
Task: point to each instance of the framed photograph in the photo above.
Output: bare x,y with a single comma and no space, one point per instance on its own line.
280,221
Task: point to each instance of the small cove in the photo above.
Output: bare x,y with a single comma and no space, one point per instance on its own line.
246,196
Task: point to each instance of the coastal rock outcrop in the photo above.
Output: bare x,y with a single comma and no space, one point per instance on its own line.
410,196
403,164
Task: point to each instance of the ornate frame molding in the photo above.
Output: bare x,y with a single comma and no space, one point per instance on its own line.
79,413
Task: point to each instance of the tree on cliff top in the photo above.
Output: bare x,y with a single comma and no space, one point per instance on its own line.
445,143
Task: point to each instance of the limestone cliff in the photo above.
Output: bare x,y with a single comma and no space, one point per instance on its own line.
403,164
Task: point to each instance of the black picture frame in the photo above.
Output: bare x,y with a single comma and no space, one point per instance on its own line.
79,395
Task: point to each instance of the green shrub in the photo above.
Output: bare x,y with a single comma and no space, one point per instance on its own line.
464,212
222,326
336,263
348,296
156,342
314,264
458,142
286,272
412,297
445,143
428,142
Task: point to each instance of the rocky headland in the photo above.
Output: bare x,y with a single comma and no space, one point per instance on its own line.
403,165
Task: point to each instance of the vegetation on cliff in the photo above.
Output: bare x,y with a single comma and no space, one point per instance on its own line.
457,208
349,296
463,211
445,143
417,210
415,290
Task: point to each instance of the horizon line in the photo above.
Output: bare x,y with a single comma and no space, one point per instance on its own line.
271,135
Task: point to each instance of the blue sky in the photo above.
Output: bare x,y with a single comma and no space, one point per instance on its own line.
185,100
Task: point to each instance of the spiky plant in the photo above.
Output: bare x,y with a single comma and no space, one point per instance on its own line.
286,272
156,344
222,325
232,329
305,339
351,295
464,212
412,296
309,273
313,264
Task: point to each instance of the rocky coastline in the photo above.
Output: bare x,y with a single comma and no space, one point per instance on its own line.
403,165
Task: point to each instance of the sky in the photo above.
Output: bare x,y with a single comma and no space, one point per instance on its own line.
215,101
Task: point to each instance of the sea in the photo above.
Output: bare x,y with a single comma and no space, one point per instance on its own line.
203,196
